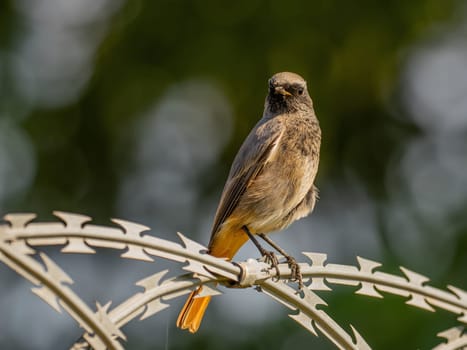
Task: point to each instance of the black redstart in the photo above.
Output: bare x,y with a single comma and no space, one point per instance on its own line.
271,181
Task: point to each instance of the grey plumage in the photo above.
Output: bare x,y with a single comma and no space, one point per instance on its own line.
270,184
271,181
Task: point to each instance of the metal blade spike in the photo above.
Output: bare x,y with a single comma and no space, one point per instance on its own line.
420,302
451,333
198,268
77,245
367,265
369,289
48,296
19,220
152,281
305,321
131,228
71,220
192,245
359,341
136,253
55,271
102,313
317,259
312,298
414,277
462,294
209,289
153,308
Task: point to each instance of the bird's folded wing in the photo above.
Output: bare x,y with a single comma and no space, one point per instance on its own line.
246,167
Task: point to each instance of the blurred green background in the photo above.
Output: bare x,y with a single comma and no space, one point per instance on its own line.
135,109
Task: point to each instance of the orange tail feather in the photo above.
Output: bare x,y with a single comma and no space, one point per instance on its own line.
193,311
225,245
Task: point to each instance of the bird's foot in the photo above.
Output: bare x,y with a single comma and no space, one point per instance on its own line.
271,258
296,274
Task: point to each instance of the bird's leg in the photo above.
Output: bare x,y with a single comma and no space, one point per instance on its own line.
270,256
296,274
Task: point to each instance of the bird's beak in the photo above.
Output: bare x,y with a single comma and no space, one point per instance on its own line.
282,91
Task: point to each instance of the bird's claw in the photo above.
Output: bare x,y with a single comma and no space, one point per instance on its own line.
296,274
271,258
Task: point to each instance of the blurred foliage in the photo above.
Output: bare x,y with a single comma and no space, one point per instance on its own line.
349,53
352,54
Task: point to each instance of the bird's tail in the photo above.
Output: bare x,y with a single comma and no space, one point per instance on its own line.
225,244
193,311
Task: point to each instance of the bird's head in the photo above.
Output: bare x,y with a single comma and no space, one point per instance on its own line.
287,93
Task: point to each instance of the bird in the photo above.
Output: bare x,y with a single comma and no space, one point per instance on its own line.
270,183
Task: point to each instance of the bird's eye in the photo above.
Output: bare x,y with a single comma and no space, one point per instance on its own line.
300,91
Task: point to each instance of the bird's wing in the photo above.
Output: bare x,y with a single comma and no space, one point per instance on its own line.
247,165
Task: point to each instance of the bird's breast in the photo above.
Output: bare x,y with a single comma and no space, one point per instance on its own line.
286,178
